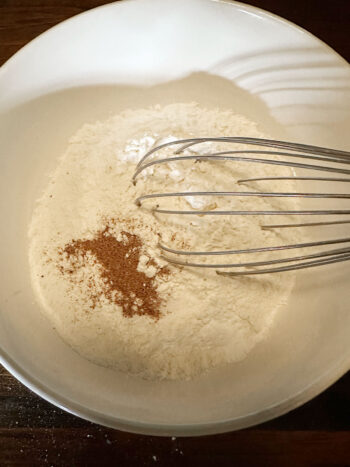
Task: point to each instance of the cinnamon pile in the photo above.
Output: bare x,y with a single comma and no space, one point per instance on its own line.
124,285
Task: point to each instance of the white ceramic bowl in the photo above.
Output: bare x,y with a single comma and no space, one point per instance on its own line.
132,54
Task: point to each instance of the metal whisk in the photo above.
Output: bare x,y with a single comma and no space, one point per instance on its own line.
335,161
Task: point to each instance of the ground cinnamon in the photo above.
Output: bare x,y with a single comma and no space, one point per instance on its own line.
127,287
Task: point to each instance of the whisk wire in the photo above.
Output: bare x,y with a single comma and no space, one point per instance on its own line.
329,156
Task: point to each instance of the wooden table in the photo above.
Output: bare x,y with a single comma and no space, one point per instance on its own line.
33,432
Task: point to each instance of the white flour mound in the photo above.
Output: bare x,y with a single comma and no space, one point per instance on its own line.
206,319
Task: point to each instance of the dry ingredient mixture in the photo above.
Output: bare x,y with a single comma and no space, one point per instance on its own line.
124,285
95,262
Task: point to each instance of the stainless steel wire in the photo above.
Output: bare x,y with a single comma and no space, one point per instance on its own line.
335,161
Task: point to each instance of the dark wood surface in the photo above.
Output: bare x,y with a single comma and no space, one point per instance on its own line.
33,432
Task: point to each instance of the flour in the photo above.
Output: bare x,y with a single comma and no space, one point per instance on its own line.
206,319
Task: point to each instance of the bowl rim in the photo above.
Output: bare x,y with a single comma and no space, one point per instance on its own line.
305,394
194,429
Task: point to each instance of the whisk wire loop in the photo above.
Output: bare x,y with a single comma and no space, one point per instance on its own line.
333,161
